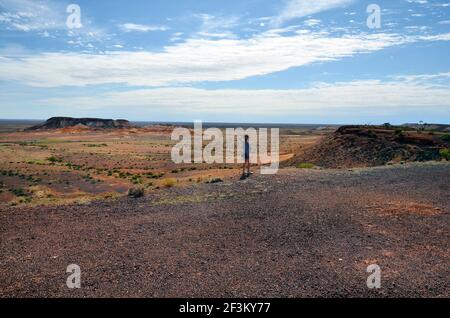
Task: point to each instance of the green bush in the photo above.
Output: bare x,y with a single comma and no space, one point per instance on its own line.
305,166
157,175
446,137
169,182
445,153
136,192
215,180
95,145
136,181
122,175
54,159
19,192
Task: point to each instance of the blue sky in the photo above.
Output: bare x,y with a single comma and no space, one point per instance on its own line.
292,61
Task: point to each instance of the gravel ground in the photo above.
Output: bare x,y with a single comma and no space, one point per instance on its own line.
300,233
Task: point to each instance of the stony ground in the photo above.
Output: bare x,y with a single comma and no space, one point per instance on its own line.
300,233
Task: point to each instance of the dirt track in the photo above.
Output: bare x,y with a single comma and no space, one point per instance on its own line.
300,233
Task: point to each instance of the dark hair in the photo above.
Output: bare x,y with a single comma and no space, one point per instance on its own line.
246,137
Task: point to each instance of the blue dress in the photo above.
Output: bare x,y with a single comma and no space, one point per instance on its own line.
247,151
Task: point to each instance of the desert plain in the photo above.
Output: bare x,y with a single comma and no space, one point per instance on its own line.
198,231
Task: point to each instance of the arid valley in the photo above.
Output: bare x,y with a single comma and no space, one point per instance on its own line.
311,230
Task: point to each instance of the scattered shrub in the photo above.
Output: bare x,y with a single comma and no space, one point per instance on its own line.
169,182
122,175
95,145
305,166
446,137
54,159
136,181
215,180
445,153
155,175
18,192
136,192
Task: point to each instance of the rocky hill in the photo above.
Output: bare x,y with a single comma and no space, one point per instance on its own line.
428,127
96,123
361,146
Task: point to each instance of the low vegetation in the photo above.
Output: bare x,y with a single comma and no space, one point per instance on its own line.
19,192
136,192
96,145
215,180
54,159
445,153
306,166
169,182
154,175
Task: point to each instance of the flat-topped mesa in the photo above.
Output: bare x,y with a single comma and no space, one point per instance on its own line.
366,146
96,123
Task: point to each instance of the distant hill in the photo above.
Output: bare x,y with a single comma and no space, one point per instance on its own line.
425,126
96,123
361,146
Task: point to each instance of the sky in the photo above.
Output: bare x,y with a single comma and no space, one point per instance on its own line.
277,61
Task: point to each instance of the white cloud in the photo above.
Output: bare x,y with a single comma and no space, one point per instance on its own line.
176,37
47,18
194,60
218,35
132,27
347,97
418,1
303,8
197,60
312,22
216,26
211,22
436,37
424,77
28,15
